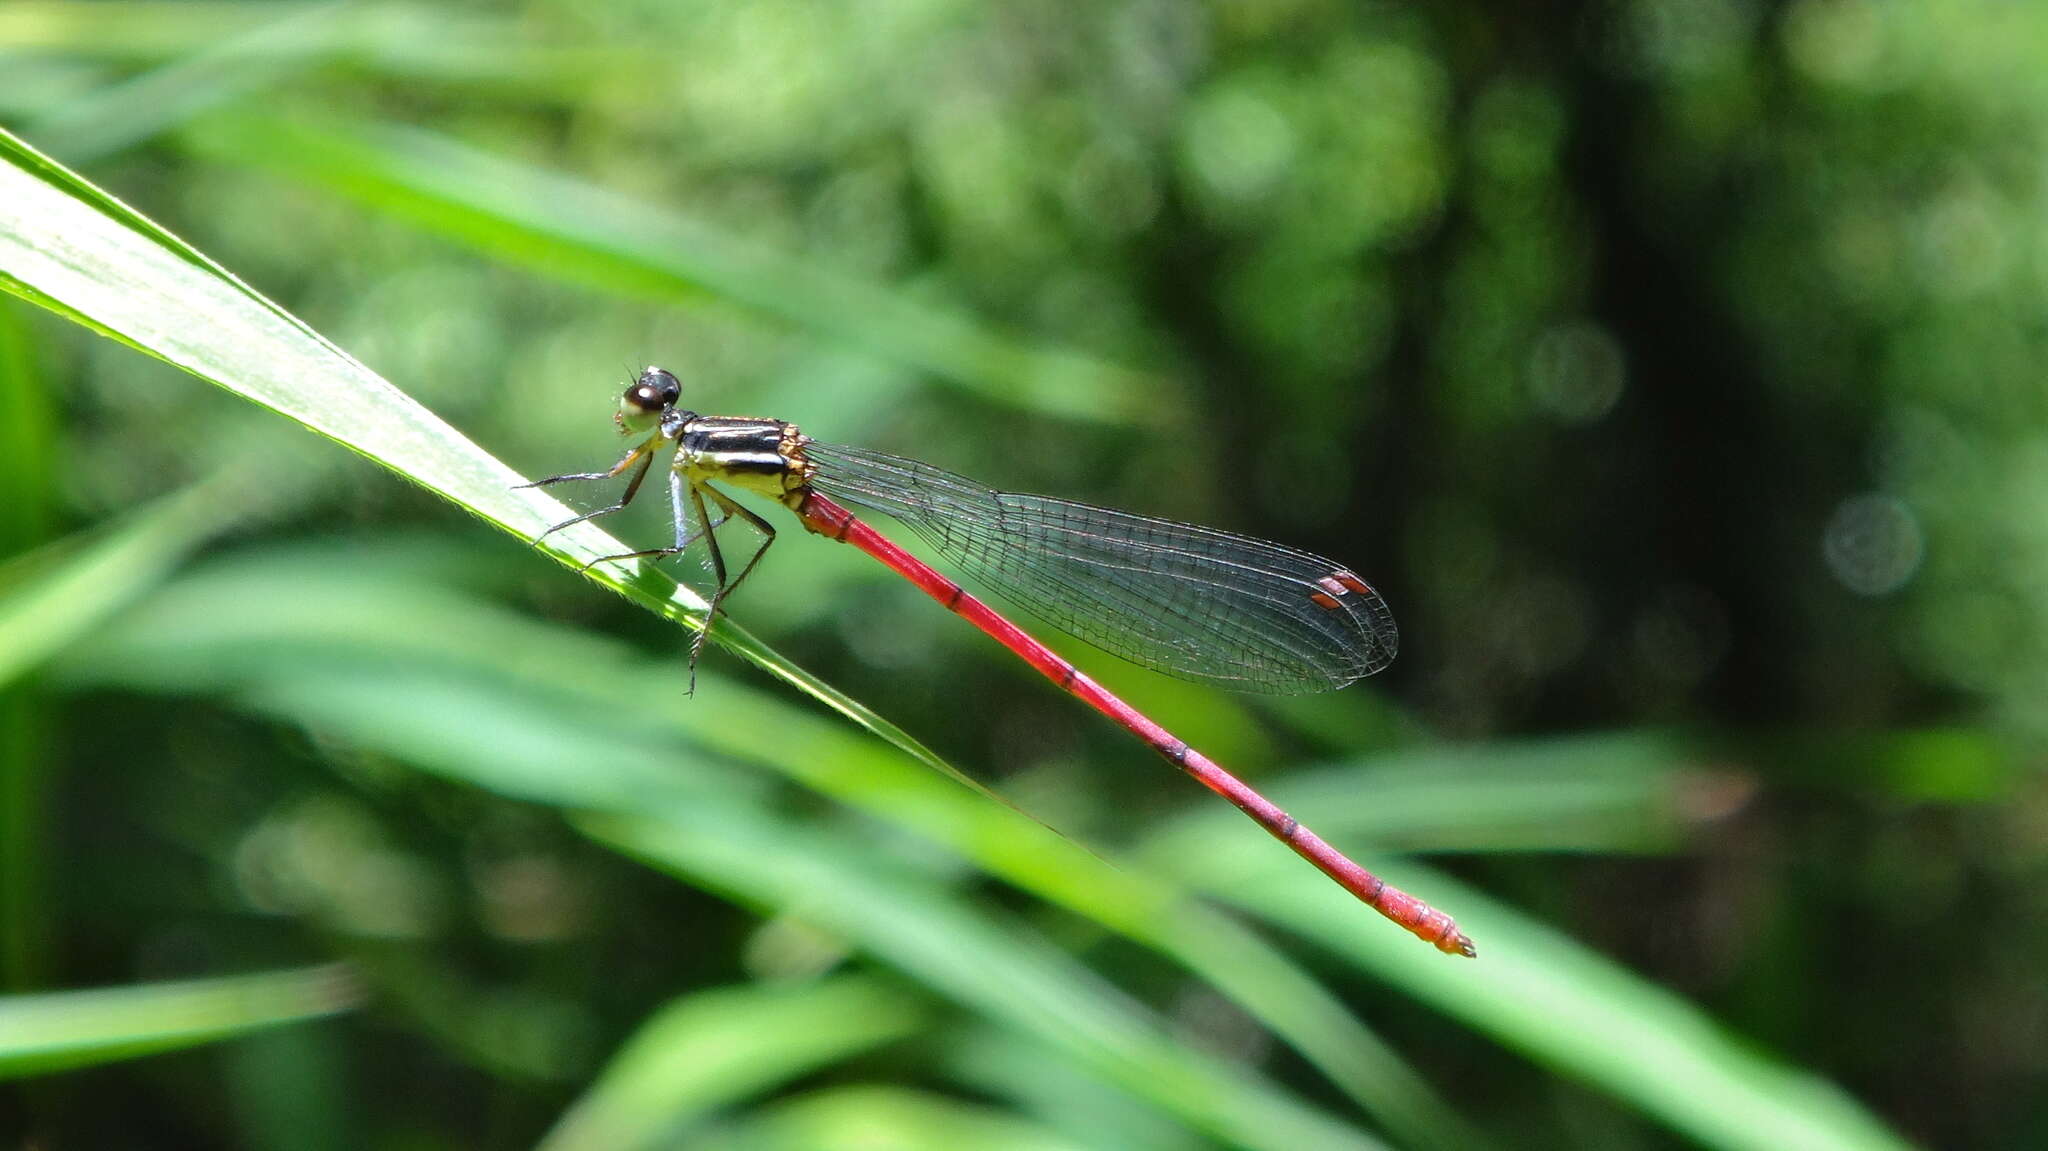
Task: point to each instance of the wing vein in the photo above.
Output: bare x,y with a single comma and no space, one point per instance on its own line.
1193,602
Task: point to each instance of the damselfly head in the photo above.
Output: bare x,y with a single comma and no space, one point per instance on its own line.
654,392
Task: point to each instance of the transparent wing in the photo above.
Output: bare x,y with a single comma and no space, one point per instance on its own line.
1190,601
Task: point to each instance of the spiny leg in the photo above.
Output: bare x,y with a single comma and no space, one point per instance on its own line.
684,536
644,453
616,468
717,586
632,489
731,508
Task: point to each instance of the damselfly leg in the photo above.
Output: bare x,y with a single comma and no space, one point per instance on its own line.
692,523
644,453
725,588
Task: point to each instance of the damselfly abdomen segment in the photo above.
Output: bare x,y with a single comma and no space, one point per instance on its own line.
1193,602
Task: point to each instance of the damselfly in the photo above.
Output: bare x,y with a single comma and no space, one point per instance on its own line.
1189,601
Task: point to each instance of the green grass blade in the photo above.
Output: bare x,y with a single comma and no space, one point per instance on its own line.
884,1119
28,438
713,1048
417,42
991,967
66,1029
49,598
75,249
242,623
1568,1008
1003,1065
277,46
711,834
145,30
564,227
582,753
1621,792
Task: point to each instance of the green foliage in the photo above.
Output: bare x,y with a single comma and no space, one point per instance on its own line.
40,1034
711,1048
1669,365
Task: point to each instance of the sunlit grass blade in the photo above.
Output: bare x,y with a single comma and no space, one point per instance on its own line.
891,1118
713,1048
1568,1008
28,444
699,818
580,752
567,228
49,598
142,30
253,621
1087,1110
28,437
124,114
61,1030
407,41
1626,792
70,247
992,967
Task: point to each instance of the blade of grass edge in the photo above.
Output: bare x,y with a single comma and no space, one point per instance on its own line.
267,617
712,1048
61,1030
692,819
1568,1008
899,1118
569,229
966,953
52,596
28,772
70,246
121,114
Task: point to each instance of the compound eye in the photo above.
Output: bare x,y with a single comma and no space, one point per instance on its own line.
644,398
664,383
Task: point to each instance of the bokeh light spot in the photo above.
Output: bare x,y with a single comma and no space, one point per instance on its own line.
1873,544
1576,372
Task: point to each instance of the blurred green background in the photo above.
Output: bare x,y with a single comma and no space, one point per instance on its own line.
1671,365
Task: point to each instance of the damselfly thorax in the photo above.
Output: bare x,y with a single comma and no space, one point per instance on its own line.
758,455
